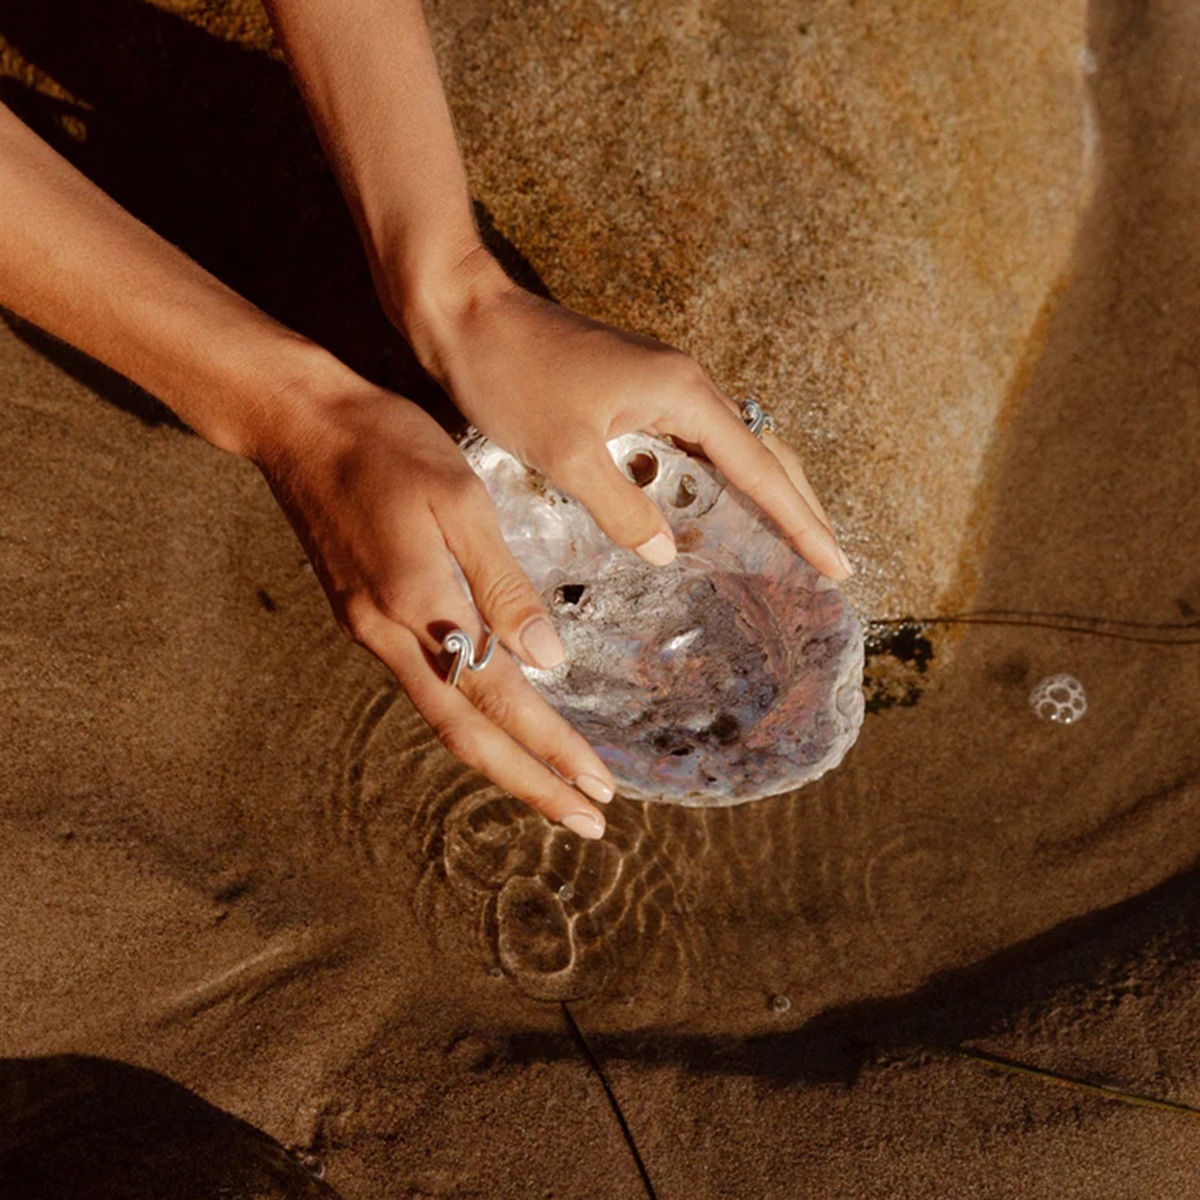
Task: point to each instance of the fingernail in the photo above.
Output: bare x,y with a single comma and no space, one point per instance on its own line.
659,550
541,644
594,788
584,825
844,560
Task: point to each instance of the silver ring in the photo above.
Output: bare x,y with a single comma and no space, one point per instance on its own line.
757,419
460,643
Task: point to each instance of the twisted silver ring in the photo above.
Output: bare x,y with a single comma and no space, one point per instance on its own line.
460,643
757,419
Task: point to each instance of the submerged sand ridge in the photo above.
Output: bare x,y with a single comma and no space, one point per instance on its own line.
233,854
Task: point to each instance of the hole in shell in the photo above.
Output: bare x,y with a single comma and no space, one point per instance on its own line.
642,468
569,594
680,751
686,491
725,729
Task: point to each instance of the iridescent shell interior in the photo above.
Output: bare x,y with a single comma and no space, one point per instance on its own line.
733,674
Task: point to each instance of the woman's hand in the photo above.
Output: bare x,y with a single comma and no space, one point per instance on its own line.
384,502
552,387
387,508
548,385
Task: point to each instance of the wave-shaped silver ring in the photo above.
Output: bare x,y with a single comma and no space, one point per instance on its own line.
757,419
460,643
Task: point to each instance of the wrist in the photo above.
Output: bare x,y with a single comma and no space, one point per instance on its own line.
431,303
284,395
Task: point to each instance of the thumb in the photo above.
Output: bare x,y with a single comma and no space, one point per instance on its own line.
616,502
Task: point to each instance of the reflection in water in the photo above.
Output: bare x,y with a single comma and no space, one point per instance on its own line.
559,915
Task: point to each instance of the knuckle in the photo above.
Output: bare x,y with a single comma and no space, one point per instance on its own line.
498,706
564,756
571,462
506,592
358,618
632,523
389,603
688,375
466,490
540,801
764,471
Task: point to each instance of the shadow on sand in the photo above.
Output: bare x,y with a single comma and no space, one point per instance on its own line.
72,1126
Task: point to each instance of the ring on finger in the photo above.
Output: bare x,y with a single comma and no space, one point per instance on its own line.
461,645
758,419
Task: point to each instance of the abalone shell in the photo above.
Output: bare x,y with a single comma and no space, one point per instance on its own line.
732,674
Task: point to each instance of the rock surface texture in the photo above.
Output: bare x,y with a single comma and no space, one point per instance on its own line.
859,215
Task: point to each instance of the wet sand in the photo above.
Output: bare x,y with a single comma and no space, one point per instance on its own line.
235,862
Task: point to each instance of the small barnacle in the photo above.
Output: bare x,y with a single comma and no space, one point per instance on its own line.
1058,698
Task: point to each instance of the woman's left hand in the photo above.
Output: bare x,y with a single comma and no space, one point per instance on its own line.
552,387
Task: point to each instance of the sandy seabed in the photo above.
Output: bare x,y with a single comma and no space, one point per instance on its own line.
247,902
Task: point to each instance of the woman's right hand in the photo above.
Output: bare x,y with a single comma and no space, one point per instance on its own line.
386,505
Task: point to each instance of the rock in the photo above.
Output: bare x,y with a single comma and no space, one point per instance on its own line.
860,216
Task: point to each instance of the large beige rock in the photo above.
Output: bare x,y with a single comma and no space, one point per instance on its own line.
858,213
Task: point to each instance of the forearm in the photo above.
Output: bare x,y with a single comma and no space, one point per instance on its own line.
78,265
369,77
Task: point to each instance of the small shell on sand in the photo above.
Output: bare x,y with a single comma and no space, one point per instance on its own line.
732,674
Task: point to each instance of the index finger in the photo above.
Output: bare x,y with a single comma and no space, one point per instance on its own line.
755,471
783,451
